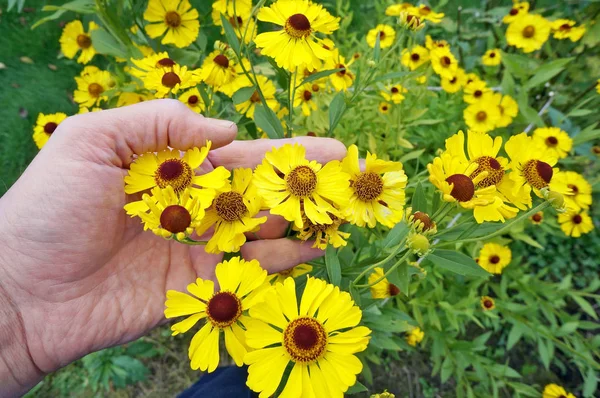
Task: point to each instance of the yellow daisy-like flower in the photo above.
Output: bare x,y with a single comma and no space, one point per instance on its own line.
288,183
233,214
492,57
294,272
175,17
384,107
537,218
323,234
320,338
167,214
377,193
168,168
426,13
575,224
557,141
494,257
45,126
394,93
472,78
242,286
518,10
296,44
482,116
397,9
566,29
382,289
431,44
477,91
150,62
409,21
421,79
455,82
415,57
415,336
386,35
556,391
91,84
84,109
218,69
531,162
443,62
74,38
193,100
305,96
580,197
268,90
528,32
343,79
165,81
130,98
487,303
237,12
507,108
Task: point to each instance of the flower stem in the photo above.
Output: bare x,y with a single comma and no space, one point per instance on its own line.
192,242
377,264
392,268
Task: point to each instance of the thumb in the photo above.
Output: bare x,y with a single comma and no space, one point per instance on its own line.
117,134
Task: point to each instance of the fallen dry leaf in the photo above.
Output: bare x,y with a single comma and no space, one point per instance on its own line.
26,60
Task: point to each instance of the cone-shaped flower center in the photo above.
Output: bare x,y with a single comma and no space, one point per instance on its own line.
301,181
445,61
223,309
230,206
415,57
50,127
95,89
193,99
393,290
255,97
463,188
84,41
536,217
368,186
551,141
395,90
577,219
165,62
487,303
170,79
307,95
222,61
425,220
175,219
492,55
173,172
172,19
529,31
305,339
537,173
513,11
298,26
573,188
481,116
495,259
494,169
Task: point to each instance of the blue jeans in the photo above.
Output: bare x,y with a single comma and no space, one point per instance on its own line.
225,382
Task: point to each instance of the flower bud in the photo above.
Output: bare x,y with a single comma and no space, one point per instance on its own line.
384,394
419,244
556,199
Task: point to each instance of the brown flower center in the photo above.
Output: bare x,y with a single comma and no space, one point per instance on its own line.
222,61
368,186
175,219
552,141
236,21
425,220
494,169
84,41
477,93
165,62
492,55
577,219
487,303
537,173
494,259
230,206
481,116
305,339
463,188
170,79
573,188
445,61
307,95
415,57
174,172
537,217
394,90
301,181
513,11
255,97
454,80
315,87
223,309
298,26
193,100
381,35
343,71
529,31
384,108
393,290
172,19
565,27
50,127
95,89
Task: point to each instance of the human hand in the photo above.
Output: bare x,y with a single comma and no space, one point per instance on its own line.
76,273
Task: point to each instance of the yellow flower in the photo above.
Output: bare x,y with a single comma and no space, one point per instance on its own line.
84,109
165,81
384,394
394,93
598,86
383,288
237,12
294,272
242,286
167,168
556,391
455,82
386,35
377,193
575,224
305,96
268,90
443,62
421,79
472,78
565,29
323,234
131,97
233,214
288,182
477,91
384,107
528,32
396,9
193,100
343,79
580,197
320,338
483,115
221,71
150,62
296,44
420,222
557,141
426,13
168,215
487,303
537,218
415,336
431,44
74,38
91,84
518,10
175,17
415,57
508,109
408,20
492,57
45,126
494,258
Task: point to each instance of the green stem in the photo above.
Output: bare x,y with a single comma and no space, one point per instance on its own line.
377,264
192,242
392,268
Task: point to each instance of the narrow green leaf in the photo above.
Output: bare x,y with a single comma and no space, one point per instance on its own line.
355,293
105,43
243,95
419,201
585,305
456,262
580,112
447,369
590,385
320,75
230,35
377,49
395,235
546,72
514,335
332,263
544,353
337,107
184,57
355,389
267,120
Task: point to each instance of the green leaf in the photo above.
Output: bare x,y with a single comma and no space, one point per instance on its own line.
184,57
447,369
105,43
585,305
267,120
377,49
243,95
546,72
531,115
588,134
336,110
456,262
425,122
508,83
580,112
519,65
18,3
527,239
514,336
230,35
419,201
544,353
411,155
78,6
355,389
395,235
590,385
320,75
332,263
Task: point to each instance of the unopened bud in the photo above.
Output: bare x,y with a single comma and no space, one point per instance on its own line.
419,244
556,199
